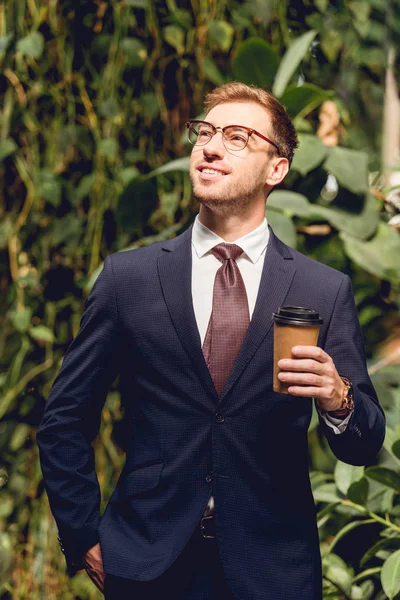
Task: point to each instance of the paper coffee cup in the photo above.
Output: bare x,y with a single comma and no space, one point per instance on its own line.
293,326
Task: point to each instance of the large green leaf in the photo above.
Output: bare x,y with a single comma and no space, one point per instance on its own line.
346,474
32,45
294,203
255,62
7,147
291,60
136,52
179,164
377,255
310,153
300,100
385,476
41,333
283,226
350,167
390,575
358,491
221,33
175,37
360,225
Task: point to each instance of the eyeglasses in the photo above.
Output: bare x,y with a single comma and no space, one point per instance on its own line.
234,137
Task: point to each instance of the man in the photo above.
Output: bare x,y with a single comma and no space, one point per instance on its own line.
214,501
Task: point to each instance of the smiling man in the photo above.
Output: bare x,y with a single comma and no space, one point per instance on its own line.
214,501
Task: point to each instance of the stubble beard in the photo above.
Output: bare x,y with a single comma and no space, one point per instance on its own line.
231,200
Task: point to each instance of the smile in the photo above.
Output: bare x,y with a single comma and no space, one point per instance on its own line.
206,173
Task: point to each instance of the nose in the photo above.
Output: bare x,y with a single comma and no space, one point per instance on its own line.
215,146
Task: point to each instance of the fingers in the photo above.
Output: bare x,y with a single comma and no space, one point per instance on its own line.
311,352
306,365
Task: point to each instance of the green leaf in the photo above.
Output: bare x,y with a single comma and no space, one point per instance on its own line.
22,319
136,204
19,437
283,226
108,148
179,164
85,187
331,44
136,52
5,41
376,255
396,448
7,147
341,577
66,230
326,493
390,575
293,202
175,37
150,105
255,62
310,153
109,108
346,474
221,33
41,333
390,543
358,224
385,476
212,71
350,167
50,187
358,491
32,45
301,100
291,60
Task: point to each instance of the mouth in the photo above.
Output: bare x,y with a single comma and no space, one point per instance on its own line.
208,173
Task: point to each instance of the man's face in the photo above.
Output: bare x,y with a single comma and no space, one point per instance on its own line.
239,177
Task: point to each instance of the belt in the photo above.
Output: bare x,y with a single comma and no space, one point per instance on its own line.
207,527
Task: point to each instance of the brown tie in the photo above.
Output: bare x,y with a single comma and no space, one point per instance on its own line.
230,317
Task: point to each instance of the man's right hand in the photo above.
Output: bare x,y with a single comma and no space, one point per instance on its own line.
93,562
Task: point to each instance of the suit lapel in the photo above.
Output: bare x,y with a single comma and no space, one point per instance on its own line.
175,273
276,278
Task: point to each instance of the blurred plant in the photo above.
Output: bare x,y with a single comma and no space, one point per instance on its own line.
93,160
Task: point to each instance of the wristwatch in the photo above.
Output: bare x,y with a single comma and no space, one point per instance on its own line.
347,405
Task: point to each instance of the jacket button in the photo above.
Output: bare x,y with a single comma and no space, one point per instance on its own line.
209,478
219,418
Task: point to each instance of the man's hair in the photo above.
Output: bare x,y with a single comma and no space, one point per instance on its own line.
283,132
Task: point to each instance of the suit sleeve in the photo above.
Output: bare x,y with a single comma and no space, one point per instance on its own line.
71,421
363,437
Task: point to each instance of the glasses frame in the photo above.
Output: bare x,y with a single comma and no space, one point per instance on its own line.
222,129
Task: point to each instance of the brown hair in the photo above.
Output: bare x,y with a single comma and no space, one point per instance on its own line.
283,131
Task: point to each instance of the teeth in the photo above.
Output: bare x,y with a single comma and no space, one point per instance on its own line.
212,172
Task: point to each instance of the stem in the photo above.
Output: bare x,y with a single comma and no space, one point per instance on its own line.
372,515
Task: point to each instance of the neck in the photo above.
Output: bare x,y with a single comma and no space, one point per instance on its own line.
231,227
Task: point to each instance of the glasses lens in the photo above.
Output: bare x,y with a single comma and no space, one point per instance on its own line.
235,138
200,133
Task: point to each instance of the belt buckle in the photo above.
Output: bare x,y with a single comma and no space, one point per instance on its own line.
203,527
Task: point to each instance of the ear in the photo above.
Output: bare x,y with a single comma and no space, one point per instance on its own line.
277,171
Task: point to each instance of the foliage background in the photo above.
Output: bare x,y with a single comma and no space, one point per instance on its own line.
94,97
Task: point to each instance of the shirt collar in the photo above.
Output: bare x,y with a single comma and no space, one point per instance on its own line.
253,244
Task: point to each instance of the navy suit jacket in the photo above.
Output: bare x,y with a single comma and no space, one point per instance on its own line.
139,323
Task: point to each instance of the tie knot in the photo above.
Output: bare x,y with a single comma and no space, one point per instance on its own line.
224,251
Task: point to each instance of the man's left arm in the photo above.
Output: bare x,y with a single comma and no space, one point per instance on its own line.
314,372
